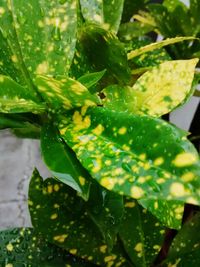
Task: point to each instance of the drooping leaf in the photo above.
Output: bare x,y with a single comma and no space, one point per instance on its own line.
24,247
69,226
157,92
16,99
62,161
169,213
103,12
106,210
64,93
91,79
42,35
185,248
114,148
141,234
157,45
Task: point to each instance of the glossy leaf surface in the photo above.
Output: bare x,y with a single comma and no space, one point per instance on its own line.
62,161
91,79
103,12
185,247
156,92
16,99
141,234
42,35
169,213
113,147
64,93
24,247
69,225
157,45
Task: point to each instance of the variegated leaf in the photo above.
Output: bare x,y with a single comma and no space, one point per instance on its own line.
104,12
69,225
41,35
62,161
24,247
141,234
114,148
157,92
91,79
16,99
157,45
64,93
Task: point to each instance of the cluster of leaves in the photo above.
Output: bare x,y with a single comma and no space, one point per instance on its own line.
120,174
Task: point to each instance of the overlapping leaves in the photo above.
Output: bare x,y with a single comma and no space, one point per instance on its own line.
69,225
114,148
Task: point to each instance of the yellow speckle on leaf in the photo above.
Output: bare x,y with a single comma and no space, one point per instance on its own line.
110,258
42,68
82,180
54,216
9,265
156,247
73,251
50,189
158,161
137,192
98,130
188,177
130,204
56,187
63,131
122,130
103,249
185,159
9,247
60,238
142,156
177,190
108,183
138,247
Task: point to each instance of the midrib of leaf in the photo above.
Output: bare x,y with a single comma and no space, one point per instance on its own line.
19,56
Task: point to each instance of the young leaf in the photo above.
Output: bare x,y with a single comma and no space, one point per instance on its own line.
62,161
90,79
141,234
24,247
64,93
157,45
184,250
41,34
103,12
16,99
157,92
114,148
69,226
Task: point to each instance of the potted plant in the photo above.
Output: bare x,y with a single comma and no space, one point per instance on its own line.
74,76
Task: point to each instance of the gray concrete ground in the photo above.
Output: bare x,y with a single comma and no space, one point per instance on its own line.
17,159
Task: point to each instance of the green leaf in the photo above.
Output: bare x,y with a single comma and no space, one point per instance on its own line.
111,53
114,148
42,35
16,99
132,7
172,5
169,213
103,12
141,234
64,93
24,247
90,79
106,210
157,92
184,250
157,45
62,161
69,226
130,30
